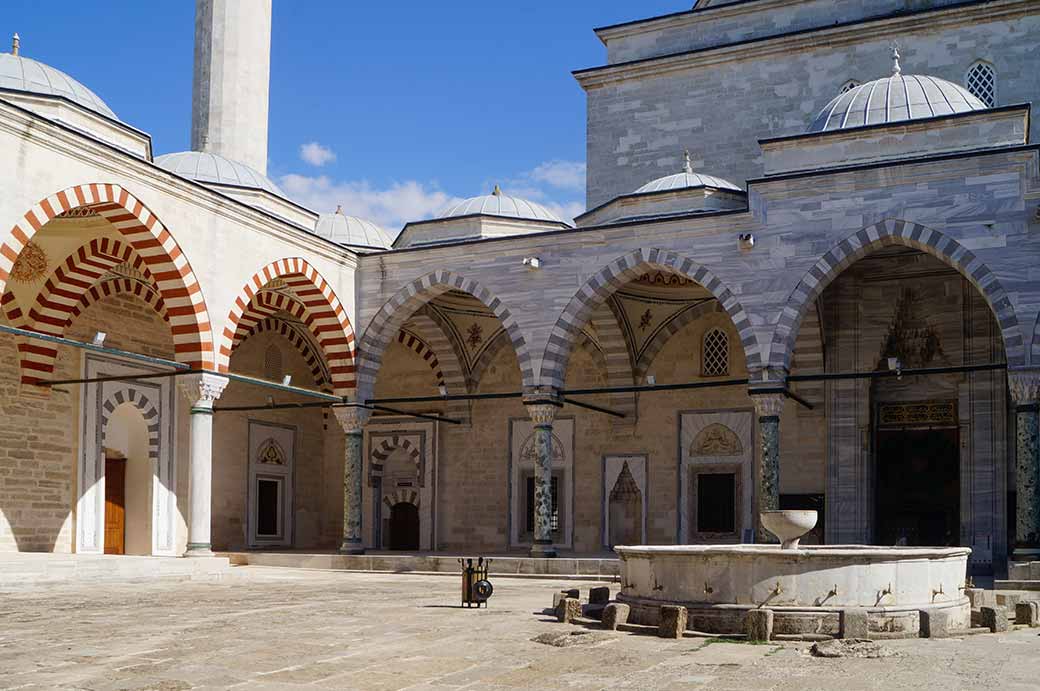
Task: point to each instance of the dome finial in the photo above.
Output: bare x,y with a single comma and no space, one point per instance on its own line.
339,209
16,42
687,164
497,191
896,69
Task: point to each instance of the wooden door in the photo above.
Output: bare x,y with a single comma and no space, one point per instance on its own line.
115,506
404,527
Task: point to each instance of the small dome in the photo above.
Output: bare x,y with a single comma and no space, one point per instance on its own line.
25,74
498,204
687,178
351,231
895,99
209,168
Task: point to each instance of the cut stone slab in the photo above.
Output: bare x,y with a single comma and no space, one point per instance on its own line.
571,639
851,647
994,618
614,615
672,621
935,624
758,624
599,595
1028,613
569,610
854,623
559,596
980,597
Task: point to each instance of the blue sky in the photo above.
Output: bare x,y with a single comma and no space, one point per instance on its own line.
415,102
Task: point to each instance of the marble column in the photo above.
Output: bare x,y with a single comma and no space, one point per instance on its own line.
542,413
202,391
1025,392
352,420
768,407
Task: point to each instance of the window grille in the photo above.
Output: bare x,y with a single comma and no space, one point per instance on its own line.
849,86
716,353
273,369
982,82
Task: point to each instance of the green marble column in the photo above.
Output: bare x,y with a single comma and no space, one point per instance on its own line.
352,421
542,415
768,407
1025,387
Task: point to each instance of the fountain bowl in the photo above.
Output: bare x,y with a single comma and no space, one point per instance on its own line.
789,524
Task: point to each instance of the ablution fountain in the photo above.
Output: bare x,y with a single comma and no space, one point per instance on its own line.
808,588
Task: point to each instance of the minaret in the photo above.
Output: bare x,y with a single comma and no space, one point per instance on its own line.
232,78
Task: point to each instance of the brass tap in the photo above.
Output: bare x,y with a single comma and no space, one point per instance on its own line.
708,590
937,592
833,592
778,588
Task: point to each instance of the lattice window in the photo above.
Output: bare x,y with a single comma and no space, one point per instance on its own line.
849,86
982,82
716,353
273,370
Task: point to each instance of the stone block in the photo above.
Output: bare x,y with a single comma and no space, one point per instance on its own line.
758,624
592,611
572,592
673,621
558,597
935,623
854,623
1028,613
614,615
979,597
568,610
1008,600
994,618
599,595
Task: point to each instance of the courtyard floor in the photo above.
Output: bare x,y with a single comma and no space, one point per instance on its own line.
268,628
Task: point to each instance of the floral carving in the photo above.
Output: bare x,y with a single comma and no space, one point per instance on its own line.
717,440
270,453
645,320
474,335
31,264
528,450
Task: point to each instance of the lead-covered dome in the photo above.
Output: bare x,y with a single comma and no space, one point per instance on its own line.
351,231
208,168
687,178
498,204
898,98
19,73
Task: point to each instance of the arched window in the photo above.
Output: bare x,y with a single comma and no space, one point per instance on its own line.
849,85
716,353
982,82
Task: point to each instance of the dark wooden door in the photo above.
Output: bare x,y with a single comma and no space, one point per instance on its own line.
404,526
115,506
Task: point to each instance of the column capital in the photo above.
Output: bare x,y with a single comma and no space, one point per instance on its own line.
542,403
1024,385
352,419
768,404
202,389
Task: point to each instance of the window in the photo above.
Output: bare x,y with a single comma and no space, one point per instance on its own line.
273,369
849,86
554,521
982,82
716,353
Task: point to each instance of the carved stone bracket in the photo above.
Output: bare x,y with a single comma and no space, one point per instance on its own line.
352,420
1024,386
202,389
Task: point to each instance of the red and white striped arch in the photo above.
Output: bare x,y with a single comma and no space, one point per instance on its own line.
119,286
174,279
298,340
323,314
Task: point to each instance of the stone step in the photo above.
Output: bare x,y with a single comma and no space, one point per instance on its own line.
24,570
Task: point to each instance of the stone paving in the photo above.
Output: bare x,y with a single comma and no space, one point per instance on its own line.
268,628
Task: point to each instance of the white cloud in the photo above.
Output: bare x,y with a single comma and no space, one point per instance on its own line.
565,175
390,207
316,154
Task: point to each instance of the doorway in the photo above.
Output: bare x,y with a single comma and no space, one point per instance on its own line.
115,506
917,497
404,526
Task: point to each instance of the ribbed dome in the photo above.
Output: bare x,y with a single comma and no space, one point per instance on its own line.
498,204
895,99
351,231
209,168
687,178
25,74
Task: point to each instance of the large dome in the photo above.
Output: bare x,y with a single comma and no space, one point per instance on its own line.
351,231
687,178
498,204
895,99
25,74
212,169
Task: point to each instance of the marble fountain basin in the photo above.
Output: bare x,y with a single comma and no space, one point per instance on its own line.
808,588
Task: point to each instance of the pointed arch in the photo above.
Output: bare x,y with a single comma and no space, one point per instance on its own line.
323,314
114,287
128,394
299,341
426,333
884,234
398,309
486,357
174,278
613,276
